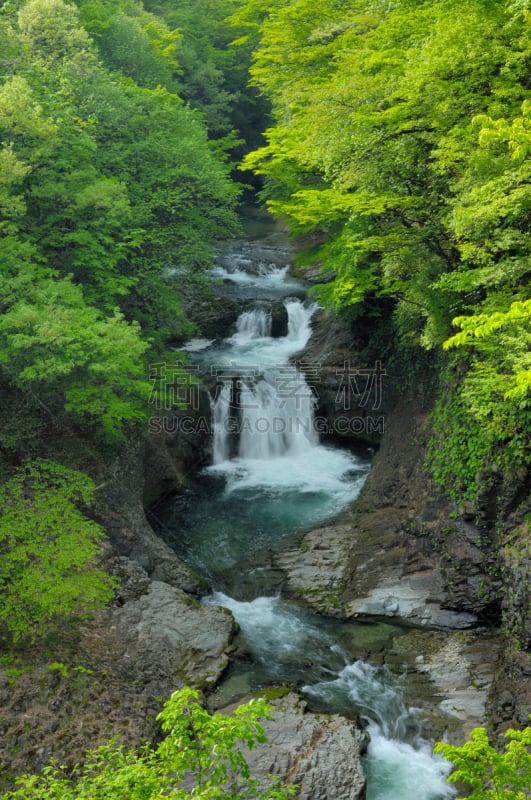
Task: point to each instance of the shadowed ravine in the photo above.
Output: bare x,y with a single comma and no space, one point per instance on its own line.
273,476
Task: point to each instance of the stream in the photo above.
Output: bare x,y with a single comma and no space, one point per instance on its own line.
272,476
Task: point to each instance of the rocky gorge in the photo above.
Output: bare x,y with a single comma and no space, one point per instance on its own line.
450,583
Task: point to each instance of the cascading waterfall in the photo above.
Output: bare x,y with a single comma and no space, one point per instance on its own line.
399,762
274,426
268,408
254,324
221,431
271,476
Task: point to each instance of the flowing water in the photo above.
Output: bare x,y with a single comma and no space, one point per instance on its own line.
271,477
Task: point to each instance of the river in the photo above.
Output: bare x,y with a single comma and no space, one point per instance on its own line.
273,475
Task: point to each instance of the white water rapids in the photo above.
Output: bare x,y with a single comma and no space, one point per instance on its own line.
277,435
268,452
399,764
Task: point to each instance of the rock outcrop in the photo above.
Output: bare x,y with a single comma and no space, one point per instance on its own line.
354,392
110,677
122,512
407,552
319,754
191,642
402,551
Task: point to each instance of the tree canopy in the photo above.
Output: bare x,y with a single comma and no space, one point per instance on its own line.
487,773
108,187
49,550
401,147
111,194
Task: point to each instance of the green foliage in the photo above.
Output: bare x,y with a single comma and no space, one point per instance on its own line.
50,28
107,188
111,182
476,431
58,348
458,448
401,150
198,758
504,339
490,774
126,44
49,550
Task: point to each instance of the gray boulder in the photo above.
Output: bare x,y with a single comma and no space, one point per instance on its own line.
320,754
166,630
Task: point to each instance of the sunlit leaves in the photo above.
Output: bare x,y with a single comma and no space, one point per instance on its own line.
53,344
501,365
481,325
401,146
50,28
517,133
198,758
491,774
49,550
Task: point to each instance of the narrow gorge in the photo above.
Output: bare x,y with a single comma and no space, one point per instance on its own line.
265,397
356,617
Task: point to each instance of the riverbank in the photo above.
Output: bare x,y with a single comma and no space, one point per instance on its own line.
403,553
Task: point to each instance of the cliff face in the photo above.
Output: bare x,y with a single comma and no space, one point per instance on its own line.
407,552
404,552
109,676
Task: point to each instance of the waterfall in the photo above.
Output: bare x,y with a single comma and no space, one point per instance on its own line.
221,431
272,477
299,322
269,409
276,416
253,325
399,762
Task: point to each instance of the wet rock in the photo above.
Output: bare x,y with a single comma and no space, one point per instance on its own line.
190,642
122,512
410,599
316,569
402,552
216,316
279,320
462,668
331,564
320,754
354,393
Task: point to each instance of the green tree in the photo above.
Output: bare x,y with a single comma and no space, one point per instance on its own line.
488,773
50,28
49,550
68,354
107,182
198,758
401,150
215,59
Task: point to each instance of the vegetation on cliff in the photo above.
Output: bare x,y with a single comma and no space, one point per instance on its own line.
488,773
49,549
198,758
111,195
401,147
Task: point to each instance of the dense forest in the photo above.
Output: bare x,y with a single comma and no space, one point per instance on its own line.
394,140
401,144
115,182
